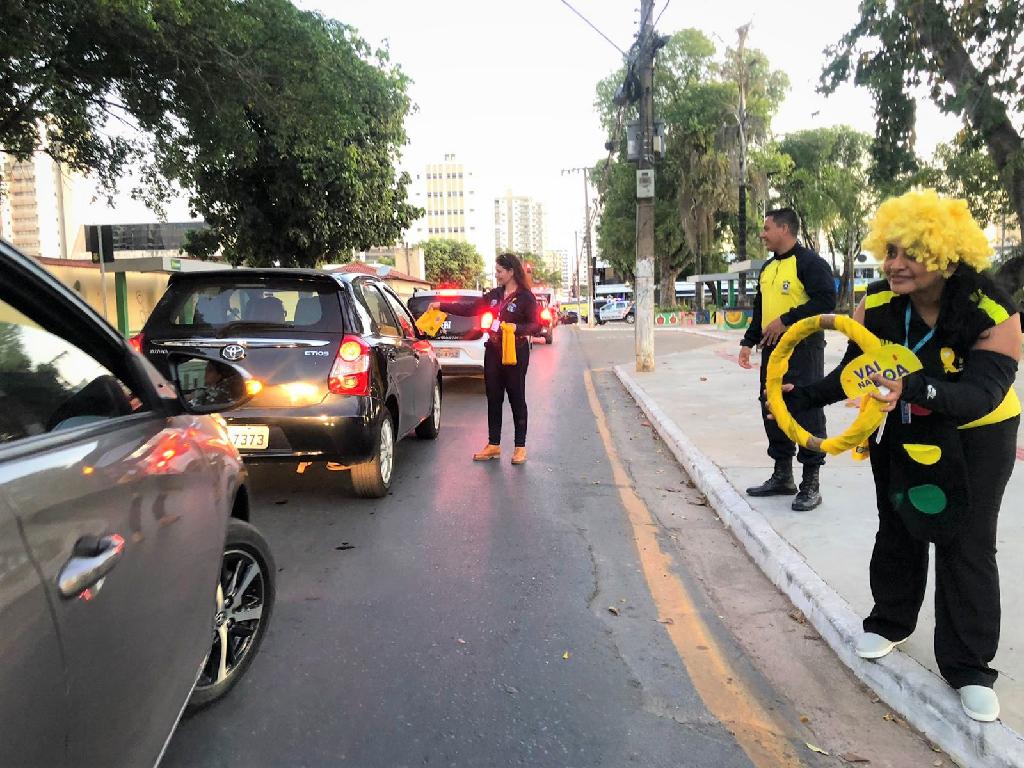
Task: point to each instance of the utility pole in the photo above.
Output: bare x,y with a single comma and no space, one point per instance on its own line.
644,287
591,265
741,118
576,270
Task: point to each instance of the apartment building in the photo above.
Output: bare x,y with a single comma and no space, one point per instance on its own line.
447,193
37,211
519,223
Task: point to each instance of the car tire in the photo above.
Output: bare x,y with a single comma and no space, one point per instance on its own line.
236,640
550,338
430,427
373,479
630,319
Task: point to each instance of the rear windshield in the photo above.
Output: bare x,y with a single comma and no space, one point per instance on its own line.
455,327
419,304
266,304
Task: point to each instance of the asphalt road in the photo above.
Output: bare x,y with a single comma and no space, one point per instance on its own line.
464,620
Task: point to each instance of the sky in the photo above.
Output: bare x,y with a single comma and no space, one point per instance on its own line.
509,86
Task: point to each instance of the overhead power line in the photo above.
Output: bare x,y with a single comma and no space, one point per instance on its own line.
591,25
662,12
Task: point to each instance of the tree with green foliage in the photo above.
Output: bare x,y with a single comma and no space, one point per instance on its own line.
969,56
283,129
696,96
453,263
963,169
539,272
828,183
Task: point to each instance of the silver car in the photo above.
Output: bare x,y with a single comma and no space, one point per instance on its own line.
130,583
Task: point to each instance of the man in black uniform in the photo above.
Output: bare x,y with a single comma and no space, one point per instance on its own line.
795,283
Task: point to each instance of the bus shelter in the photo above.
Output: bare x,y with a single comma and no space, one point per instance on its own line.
733,289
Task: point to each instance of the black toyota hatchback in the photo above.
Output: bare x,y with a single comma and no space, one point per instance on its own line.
345,372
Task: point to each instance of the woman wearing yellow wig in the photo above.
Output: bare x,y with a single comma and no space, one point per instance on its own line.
943,456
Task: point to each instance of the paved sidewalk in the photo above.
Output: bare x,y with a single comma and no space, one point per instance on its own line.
704,406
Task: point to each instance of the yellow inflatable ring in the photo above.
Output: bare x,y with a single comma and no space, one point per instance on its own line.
871,414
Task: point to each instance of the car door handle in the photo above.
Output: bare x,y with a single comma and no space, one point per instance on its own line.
92,559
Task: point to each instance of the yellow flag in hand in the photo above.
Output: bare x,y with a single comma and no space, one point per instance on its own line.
508,344
430,322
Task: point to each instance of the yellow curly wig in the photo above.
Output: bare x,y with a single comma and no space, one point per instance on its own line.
936,231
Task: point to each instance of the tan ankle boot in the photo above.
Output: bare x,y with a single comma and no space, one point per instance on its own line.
490,452
519,456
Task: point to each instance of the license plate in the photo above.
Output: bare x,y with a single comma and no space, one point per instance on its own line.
447,352
250,438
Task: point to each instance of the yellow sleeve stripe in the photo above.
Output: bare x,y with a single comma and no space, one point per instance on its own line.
873,300
993,309
1007,409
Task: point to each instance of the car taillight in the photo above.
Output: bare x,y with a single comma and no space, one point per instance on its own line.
422,346
545,314
486,320
350,374
136,342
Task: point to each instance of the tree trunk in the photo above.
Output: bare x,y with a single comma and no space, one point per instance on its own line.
1010,276
984,111
667,287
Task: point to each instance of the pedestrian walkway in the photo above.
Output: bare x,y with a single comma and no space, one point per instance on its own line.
704,405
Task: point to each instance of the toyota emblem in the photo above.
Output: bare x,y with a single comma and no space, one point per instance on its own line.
233,352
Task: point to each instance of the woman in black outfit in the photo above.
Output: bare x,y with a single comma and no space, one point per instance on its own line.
512,303
944,454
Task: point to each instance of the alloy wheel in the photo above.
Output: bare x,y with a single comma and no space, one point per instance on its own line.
240,599
387,450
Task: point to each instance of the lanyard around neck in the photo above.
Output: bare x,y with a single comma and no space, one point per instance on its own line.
906,333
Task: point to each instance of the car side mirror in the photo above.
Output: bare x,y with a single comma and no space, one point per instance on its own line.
211,386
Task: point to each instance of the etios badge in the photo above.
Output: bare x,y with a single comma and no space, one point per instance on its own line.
233,352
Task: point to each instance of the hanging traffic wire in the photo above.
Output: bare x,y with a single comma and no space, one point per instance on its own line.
662,12
591,25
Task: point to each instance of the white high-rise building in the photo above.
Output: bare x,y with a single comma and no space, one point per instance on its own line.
556,260
37,214
447,192
518,224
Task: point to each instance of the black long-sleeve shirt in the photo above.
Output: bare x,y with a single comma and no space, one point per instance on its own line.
519,308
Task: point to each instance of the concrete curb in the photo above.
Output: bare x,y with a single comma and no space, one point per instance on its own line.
918,695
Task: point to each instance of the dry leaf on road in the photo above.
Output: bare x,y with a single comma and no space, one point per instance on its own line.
852,757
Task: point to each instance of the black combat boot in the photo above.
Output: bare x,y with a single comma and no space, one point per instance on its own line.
810,493
779,484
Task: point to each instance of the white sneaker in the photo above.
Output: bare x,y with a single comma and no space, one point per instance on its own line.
872,646
980,703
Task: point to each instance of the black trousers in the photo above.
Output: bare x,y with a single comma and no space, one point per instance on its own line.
967,611
499,379
806,366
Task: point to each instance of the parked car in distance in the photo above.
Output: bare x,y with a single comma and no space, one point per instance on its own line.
547,314
127,565
459,344
344,372
569,317
619,309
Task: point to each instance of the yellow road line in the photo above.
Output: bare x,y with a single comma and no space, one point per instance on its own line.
721,689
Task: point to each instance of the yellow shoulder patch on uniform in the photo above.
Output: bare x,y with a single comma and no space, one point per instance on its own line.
992,308
873,300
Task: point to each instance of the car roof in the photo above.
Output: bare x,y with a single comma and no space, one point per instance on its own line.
266,273
449,292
